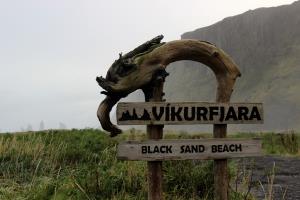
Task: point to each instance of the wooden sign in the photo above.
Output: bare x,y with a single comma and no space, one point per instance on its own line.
156,150
189,113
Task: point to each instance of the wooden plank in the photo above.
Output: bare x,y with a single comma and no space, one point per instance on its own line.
158,150
158,113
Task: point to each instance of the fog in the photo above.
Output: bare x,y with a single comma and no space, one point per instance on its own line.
51,51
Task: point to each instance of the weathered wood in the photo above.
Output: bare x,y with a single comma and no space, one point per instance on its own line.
138,71
124,77
196,149
189,113
155,171
221,179
154,93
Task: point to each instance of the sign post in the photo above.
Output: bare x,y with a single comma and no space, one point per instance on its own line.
155,114
145,68
154,94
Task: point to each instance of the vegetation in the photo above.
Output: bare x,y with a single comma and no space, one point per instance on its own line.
82,164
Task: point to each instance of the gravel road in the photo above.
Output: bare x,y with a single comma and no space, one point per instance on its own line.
286,179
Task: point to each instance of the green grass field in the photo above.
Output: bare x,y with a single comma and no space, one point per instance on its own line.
82,164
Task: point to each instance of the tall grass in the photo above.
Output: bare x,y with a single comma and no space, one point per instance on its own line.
49,164
82,164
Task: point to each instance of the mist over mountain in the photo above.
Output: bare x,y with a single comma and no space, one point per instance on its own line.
265,43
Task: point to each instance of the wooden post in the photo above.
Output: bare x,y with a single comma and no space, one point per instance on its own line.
224,91
220,168
154,167
154,94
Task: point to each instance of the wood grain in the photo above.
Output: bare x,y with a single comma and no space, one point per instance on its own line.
159,150
188,113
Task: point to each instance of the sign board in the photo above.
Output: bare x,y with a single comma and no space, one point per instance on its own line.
192,149
189,113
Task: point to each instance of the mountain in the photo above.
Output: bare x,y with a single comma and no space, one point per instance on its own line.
265,43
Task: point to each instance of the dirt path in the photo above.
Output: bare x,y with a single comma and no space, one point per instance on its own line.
287,176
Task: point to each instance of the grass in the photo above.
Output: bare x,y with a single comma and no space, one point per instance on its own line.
82,164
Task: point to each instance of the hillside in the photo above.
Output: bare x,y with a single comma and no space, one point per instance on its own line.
265,43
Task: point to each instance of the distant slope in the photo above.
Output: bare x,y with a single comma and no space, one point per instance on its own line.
265,43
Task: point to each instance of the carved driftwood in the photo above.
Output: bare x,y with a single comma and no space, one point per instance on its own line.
145,65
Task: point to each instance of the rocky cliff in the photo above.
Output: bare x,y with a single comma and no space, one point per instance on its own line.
265,43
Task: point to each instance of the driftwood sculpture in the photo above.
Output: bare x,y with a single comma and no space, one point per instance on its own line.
145,66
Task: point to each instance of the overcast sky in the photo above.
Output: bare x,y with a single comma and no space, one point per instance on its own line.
52,50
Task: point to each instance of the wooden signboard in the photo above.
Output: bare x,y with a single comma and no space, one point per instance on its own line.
158,150
189,113
147,65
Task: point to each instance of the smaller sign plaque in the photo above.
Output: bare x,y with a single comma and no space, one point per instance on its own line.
189,113
191,149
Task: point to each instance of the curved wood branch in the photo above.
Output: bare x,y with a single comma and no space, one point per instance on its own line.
148,65
224,68
103,115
